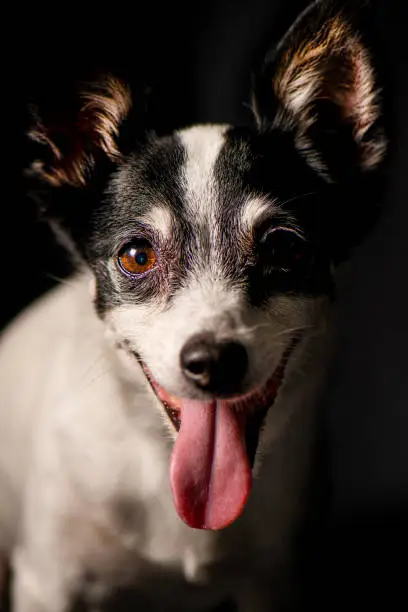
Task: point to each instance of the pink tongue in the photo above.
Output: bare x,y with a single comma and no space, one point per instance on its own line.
209,472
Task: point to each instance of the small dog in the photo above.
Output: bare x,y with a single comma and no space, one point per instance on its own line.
165,445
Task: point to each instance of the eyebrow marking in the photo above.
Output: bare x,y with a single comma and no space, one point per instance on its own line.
159,218
256,209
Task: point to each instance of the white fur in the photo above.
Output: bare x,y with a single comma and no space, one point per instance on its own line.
203,144
159,219
255,209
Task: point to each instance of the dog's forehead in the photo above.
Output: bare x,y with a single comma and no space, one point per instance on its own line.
216,177
202,174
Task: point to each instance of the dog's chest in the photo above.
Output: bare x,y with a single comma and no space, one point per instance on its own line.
140,549
127,532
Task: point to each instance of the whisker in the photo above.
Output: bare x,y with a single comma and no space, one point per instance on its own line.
287,331
97,377
292,330
84,378
297,197
63,281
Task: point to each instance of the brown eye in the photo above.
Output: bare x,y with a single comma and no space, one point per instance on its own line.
137,258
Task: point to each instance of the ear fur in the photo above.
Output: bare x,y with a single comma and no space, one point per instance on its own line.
320,84
74,142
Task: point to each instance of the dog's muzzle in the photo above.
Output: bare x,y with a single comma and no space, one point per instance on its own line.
210,468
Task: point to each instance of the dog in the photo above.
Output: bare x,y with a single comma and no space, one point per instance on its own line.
158,410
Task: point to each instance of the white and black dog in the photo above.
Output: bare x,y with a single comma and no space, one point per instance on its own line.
168,391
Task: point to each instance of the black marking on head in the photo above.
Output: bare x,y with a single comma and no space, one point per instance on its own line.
250,163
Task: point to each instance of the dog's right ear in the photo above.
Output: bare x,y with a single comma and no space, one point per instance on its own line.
73,142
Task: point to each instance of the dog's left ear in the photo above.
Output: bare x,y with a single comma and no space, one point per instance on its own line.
72,142
320,85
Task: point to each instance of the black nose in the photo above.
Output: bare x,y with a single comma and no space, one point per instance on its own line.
217,367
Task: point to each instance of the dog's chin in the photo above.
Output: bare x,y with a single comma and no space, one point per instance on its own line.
253,406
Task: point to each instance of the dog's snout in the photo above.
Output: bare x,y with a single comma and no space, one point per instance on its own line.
215,366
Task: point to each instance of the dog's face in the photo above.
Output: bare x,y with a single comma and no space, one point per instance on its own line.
207,266
212,248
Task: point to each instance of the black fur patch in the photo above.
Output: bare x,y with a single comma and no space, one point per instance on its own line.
266,165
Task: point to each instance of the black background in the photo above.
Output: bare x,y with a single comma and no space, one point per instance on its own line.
192,63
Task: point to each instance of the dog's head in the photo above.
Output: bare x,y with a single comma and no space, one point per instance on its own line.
213,247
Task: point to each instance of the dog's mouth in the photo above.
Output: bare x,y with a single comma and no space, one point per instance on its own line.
210,469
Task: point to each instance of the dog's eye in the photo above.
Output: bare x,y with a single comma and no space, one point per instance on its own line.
283,250
137,257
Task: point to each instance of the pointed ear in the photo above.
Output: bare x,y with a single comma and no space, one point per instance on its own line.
320,85
72,142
